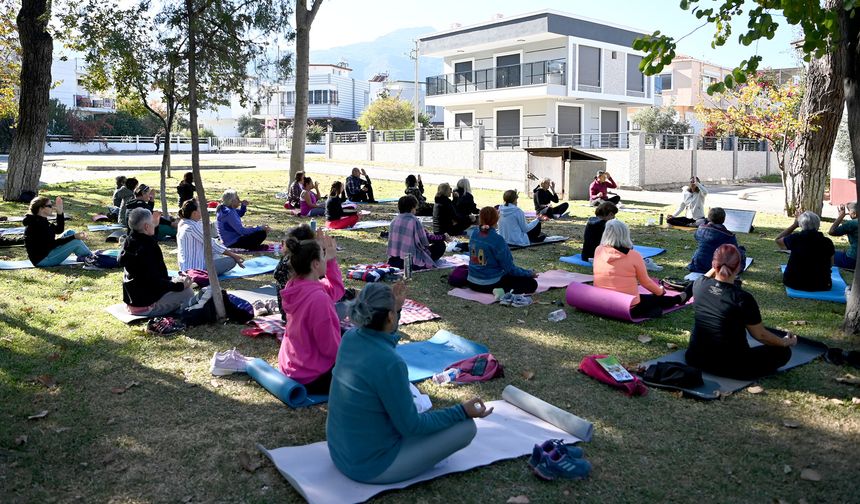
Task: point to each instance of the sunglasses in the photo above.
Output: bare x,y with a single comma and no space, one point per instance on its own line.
49,205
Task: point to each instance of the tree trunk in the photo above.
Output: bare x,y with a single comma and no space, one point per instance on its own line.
214,283
28,145
850,27
822,106
300,119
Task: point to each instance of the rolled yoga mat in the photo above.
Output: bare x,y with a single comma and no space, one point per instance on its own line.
568,422
291,392
607,302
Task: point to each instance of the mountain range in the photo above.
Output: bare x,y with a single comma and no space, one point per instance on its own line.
388,53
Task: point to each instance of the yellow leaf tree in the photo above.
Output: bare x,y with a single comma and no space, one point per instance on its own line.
762,110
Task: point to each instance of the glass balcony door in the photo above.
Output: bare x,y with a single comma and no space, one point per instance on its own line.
508,73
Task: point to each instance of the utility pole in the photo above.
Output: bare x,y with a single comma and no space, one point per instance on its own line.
278,112
414,55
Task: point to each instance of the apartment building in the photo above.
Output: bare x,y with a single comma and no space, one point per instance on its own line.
523,76
684,85
71,92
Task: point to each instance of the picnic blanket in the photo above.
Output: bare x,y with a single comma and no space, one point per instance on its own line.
643,250
715,386
511,431
373,272
836,293
413,312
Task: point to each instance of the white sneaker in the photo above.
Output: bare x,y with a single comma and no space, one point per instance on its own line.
229,362
650,265
260,308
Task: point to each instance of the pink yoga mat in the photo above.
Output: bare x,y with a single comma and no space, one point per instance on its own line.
609,303
552,279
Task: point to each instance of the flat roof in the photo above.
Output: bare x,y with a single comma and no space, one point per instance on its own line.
566,152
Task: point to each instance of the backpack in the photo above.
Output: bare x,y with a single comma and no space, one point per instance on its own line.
458,276
673,374
200,277
106,259
481,367
589,366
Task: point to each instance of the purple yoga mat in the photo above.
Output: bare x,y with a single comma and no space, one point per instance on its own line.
608,303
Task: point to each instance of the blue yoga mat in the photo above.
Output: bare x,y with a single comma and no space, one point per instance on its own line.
26,264
291,392
256,266
426,358
645,251
105,227
836,293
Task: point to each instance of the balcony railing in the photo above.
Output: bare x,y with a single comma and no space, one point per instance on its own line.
89,102
526,74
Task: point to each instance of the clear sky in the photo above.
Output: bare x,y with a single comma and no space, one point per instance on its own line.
343,22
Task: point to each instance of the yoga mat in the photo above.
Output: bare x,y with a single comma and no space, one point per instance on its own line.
715,386
26,264
426,358
120,312
254,266
414,311
507,433
268,248
836,293
568,422
547,241
105,227
368,224
643,250
115,236
696,276
289,391
448,262
739,221
680,228
609,303
378,200
552,279
12,231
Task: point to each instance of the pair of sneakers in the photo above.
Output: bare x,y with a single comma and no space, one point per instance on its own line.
227,363
515,300
555,460
650,265
164,326
267,307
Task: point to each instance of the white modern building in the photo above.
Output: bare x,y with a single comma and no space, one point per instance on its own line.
523,76
334,97
70,90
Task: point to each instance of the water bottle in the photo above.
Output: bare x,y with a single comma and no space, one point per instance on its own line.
446,376
314,225
661,219
557,316
407,267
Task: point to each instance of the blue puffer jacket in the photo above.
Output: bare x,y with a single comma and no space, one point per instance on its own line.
710,237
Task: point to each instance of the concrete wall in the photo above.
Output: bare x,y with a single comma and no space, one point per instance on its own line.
394,152
96,147
751,164
350,152
614,70
617,163
448,154
666,166
714,165
510,165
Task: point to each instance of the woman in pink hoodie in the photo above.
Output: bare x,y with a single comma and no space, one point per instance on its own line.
618,267
307,355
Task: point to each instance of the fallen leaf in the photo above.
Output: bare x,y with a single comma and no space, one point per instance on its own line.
60,430
671,346
527,374
247,463
810,475
787,402
54,357
519,499
122,390
215,383
111,421
756,389
786,469
837,401
855,400
21,440
644,338
798,322
41,414
47,380
791,424
521,321
849,379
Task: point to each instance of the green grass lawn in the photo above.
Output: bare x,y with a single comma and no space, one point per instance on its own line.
180,435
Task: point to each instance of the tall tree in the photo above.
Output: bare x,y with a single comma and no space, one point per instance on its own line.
28,145
826,29
10,59
304,19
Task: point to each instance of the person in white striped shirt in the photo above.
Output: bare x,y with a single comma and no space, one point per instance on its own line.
189,243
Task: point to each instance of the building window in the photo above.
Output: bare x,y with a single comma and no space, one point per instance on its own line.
588,75
707,80
635,79
463,120
334,100
664,82
291,98
430,110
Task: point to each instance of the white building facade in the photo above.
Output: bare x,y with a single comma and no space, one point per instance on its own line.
546,72
70,90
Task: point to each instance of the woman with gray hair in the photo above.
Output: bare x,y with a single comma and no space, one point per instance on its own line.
545,196
464,202
618,267
811,255
375,434
229,215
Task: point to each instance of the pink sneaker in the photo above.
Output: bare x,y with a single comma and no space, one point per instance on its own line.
229,362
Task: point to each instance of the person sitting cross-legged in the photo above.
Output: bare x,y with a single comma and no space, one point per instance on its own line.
43,247
811,257
415,187
336,216
464,201
189,243
407,237
544,197
374,433
294,195
599,189
692,203
847,228
594,227
358,189
147,289
710,236
512,223
724,313
229,219
446,218
144,197
491,264
618,267
311,204
186,188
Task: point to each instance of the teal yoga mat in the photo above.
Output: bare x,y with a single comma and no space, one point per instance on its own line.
291,392
255,266
645,251
836,293
426,358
